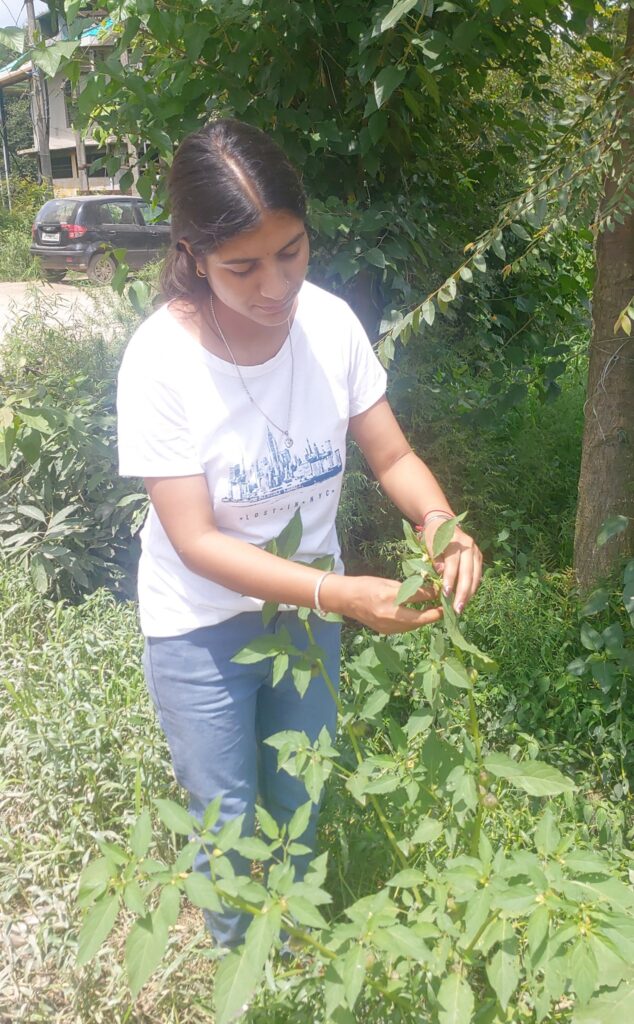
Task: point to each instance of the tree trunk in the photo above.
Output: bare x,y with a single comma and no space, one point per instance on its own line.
606,483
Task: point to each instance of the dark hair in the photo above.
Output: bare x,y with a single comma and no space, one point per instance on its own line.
223,178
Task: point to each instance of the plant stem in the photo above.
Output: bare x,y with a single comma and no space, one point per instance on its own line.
308,940
477,742
385,825
480,932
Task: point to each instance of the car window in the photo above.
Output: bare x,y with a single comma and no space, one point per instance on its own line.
152,214
62,210
111,213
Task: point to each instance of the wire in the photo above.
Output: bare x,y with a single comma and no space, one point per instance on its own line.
15,18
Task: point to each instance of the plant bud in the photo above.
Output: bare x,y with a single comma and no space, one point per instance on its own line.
490,800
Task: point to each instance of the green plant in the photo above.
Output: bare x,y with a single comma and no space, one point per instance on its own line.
607,624
16,262
483,902
65,511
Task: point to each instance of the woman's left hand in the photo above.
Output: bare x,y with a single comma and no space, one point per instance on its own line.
460,564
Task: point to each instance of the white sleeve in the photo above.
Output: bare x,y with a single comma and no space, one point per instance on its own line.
154,434
367,379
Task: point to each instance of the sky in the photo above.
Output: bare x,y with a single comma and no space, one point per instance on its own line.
12,12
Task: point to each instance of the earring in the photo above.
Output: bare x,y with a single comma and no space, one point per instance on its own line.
199,274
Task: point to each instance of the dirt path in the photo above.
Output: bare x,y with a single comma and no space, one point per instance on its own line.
65,301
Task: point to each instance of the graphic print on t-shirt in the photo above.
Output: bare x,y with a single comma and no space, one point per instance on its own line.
281,471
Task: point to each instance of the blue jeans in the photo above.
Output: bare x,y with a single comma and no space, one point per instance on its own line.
216,714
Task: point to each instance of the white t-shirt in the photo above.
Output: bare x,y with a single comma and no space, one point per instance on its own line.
183,411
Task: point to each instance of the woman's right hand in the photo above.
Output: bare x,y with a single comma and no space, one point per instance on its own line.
371,600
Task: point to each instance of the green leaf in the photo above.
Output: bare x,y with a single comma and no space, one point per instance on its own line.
96,928
537,930
289,539
113,852
133,898
305,912
428,311
597,602
239,973
611,528
408,588
584,972
590,638
353,972
169,905
253,848
13,39
49,58
615,1007
72,8
302,676
387,80
456,674
263,647
521,232
407,879
39,575
450,622
300,820
267,823
141,834
375,257
144,948
429,83
455,1000
547,835
175,817
503,971
399,10
201,892
269,611
7,440
427,831
94,880
534,777
280,667
398,940
444,534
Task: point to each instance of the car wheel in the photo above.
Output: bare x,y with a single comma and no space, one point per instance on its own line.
101,268
54,275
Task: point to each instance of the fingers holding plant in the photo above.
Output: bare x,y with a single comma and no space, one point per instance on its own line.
456,557
443,549
373,601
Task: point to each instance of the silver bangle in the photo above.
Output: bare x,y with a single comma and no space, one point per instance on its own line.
318,608
437,515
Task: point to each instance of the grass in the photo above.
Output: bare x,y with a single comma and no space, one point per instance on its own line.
82,751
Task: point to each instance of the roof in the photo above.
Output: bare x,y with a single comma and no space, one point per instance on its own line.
104,196
64,139
21,67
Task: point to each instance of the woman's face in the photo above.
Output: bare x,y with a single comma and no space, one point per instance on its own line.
258,273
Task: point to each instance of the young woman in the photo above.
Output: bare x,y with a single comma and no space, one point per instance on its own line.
235,398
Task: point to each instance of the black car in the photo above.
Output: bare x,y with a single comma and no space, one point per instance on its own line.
80,232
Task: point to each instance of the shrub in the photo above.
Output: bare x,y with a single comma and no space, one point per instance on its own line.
65,511
467,898
16,262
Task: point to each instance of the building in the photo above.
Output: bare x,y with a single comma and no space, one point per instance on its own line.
66,150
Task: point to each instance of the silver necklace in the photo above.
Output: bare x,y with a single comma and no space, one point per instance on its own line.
288,440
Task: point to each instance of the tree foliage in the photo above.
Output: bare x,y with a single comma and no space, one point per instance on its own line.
385,108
